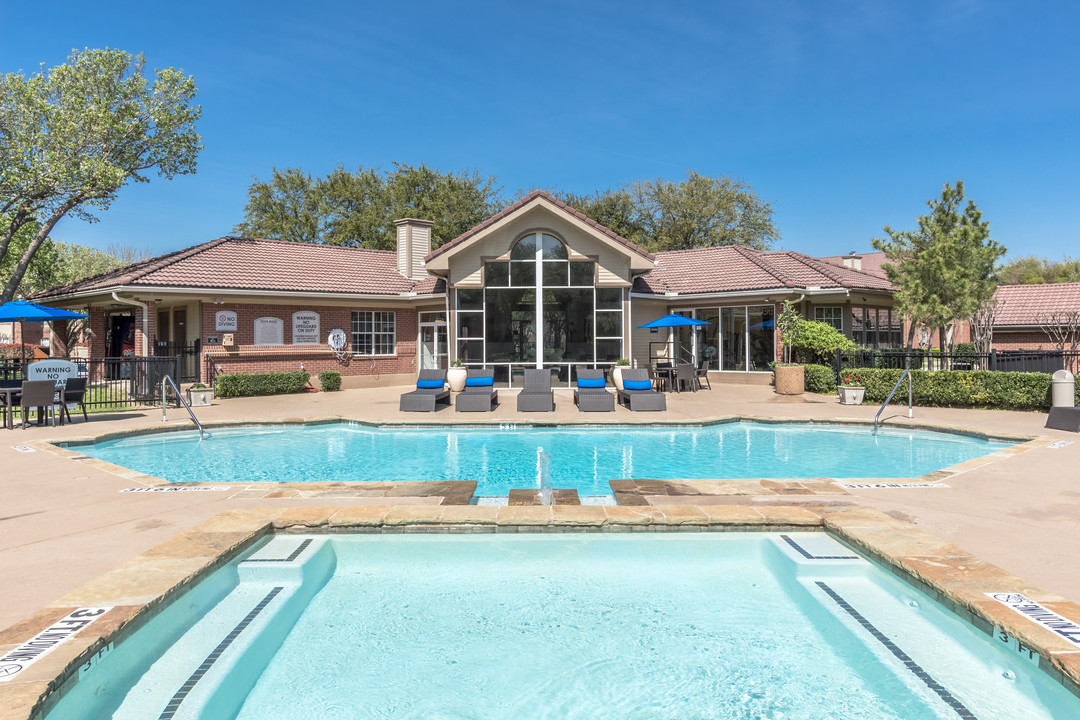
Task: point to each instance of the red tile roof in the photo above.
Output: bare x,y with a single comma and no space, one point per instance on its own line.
525,201
263,265
1023,304
732,268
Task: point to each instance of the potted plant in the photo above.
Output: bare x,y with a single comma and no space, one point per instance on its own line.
616,372
790,378
851,390
199,395
456,375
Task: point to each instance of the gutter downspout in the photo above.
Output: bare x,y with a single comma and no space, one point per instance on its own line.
145,317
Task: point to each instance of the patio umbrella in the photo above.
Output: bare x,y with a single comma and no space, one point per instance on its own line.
673,321
25,311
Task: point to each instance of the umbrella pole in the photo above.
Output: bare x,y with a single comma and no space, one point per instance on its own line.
22,347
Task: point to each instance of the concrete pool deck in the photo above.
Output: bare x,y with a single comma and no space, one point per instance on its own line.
63,523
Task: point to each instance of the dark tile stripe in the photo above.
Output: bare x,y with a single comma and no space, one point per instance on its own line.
189,685
295,554
900,655
809,556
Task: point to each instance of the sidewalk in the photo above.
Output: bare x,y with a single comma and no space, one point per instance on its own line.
63,523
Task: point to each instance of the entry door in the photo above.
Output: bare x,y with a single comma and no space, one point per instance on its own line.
433,346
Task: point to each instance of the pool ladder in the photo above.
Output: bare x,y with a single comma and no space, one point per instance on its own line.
906,374
180,398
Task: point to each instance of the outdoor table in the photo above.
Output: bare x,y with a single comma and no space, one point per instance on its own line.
8,394
668,374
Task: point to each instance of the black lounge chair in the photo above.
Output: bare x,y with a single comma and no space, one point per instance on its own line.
430,391
637,393
479,394
592,397
536,394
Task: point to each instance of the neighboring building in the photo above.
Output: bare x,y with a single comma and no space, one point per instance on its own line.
1024,310
537,285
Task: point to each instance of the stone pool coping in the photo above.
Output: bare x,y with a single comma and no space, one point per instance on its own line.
631,491
139,588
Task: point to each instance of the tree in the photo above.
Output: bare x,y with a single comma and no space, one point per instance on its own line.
358,209
72,136
1032,270
945,269
982,326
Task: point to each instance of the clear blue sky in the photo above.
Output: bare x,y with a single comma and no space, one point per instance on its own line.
845,115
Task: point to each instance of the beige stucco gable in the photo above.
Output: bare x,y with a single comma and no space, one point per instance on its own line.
617,263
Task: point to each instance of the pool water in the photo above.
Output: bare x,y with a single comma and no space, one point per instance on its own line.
702,625
583,458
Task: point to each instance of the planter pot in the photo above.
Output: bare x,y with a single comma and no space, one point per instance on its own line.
616,375
455,377
200,397
851,395
790,379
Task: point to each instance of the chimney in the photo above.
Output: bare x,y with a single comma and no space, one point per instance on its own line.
852,260
413,245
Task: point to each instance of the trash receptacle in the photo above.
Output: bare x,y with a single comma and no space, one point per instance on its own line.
1062,389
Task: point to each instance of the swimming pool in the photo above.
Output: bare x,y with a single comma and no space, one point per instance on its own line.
746,625
583,458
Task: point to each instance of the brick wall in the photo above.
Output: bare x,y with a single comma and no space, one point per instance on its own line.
1022,340
246,357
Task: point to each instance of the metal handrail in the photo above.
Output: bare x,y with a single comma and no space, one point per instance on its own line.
180,397
907,374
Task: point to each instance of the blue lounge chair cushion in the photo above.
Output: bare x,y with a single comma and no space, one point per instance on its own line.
479,381
591,382
424,384
637,384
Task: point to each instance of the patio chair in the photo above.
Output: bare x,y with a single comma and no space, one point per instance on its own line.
590,395
637,393
685,377
702,373
74,393
9,400
430,391
39,395
479,394
536,394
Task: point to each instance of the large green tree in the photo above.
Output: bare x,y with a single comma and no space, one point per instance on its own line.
1033,270
698,211
358,208
946,268
73,135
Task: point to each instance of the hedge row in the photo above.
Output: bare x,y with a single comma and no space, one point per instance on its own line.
820,379
330,380
244,385
959,388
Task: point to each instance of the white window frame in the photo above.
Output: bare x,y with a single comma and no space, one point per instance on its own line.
839,310
374,334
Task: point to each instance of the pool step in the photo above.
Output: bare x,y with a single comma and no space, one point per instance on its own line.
531,496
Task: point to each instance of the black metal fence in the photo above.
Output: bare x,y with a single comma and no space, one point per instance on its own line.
117,382
1042,361
189,358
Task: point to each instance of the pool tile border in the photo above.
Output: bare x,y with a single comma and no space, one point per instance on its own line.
138,589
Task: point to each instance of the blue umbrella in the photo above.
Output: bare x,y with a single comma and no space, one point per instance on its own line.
23,310
673,321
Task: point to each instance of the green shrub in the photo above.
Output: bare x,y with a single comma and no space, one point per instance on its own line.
818,342
820,379
962,388
247,385
330,380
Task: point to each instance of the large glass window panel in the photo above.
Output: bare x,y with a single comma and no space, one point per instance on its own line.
568,325
733,338
525,249
496,274
470,299
608,350
551,248
523,274
609,298
872,327
470,325
555,274
858,332
709,337
470,351
761,336
511,325
582,273
608,323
